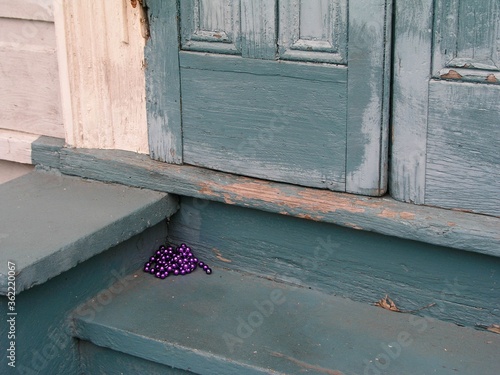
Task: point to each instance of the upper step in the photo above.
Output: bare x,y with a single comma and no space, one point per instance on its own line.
234,323
51,222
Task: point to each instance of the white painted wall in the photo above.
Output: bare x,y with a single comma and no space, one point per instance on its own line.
29,98
101,59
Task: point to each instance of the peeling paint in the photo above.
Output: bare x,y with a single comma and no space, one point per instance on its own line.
407,215
491,78
387,214
452,74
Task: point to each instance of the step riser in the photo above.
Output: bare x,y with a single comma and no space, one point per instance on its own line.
352,263
103,361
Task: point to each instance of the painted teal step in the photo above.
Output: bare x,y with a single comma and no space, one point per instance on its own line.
236,323
50,222
62,240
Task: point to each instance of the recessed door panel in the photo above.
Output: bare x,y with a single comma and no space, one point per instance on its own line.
274,90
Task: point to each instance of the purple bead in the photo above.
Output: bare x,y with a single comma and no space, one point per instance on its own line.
152,270
163,276
169,268
205,267
183,245
176,272
152,259
146,269
208,271
162,269
158,252
158,274
195,260
147,264
182,272
201,264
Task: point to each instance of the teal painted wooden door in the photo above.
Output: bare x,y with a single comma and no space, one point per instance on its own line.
293,91
446,126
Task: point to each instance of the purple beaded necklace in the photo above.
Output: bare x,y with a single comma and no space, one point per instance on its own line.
170,260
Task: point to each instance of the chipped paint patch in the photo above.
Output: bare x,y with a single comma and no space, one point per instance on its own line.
407,215
388,214
452,74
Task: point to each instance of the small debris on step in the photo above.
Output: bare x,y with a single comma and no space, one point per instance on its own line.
388,304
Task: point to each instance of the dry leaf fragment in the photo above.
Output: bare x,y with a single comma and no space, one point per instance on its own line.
495,328
387,303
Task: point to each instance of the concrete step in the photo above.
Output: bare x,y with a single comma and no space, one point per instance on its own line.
230,322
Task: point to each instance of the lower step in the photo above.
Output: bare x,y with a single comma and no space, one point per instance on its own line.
234,323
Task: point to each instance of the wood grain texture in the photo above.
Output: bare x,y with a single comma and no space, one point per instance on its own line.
459,230
38,10
258,29
351,263
163,83
30,101
368,96
16,146
45,152
106,75
463,161
266,125
466,35
411,71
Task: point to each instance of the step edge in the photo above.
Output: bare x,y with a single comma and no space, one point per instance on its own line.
180,357
58,261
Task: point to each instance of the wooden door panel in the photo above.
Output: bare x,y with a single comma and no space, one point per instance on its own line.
244,65
463,162
446,128
210,26
284,122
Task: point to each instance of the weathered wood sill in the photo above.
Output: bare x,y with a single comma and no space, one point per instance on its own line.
460,230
